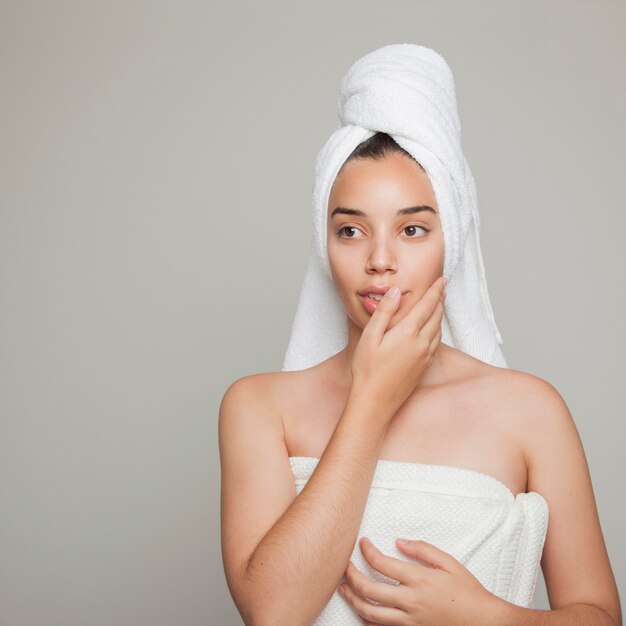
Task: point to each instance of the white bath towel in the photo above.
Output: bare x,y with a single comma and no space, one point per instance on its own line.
498,536
406,91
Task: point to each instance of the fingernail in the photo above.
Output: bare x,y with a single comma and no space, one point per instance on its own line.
393,291
403,541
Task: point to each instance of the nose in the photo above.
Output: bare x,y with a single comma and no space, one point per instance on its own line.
382,256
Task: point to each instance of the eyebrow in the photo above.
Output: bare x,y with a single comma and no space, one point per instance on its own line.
408,211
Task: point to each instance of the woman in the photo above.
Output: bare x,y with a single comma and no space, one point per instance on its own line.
415,424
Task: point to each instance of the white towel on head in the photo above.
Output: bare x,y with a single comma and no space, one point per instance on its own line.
406,91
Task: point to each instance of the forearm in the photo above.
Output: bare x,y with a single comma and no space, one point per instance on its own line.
299,563
572,615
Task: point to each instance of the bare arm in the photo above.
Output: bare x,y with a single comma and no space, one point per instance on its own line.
271,538
575,563
311,542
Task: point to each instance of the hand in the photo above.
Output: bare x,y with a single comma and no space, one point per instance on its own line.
388,364
442,591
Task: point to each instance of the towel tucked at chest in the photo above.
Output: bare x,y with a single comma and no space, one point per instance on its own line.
499,537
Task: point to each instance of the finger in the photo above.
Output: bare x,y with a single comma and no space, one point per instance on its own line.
424,307
433,324
380,592
436,340
376,613
379,321
429,553
393,568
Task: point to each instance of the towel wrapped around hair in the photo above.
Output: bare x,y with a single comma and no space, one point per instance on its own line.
406,91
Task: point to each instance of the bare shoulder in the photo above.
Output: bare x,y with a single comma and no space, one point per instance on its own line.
262,391
530,393
529,408
541,418
519,394
528,398
259,403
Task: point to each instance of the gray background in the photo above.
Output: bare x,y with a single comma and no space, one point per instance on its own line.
156,163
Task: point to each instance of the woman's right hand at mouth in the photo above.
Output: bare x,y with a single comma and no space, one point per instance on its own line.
388,364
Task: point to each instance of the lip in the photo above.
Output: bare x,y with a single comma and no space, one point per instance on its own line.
371,305
375,289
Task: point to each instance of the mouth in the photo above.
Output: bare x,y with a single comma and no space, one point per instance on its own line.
375,290
371,300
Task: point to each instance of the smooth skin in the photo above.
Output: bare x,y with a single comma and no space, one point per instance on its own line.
360,405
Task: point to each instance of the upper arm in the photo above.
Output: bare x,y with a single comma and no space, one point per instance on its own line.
575,563
257,484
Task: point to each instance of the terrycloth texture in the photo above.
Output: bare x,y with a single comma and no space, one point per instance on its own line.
473,516
407,91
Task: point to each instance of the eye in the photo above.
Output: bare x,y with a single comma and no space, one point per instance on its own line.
411,226
346,228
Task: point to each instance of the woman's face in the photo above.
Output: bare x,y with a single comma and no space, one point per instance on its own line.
383,231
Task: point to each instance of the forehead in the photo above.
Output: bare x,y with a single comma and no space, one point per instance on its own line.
369,186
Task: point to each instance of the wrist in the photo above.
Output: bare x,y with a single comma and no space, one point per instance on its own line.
369,405
501,613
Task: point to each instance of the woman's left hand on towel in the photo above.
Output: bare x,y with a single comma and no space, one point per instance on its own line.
437,589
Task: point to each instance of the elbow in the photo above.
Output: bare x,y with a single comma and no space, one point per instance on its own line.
244,598
613,615
259,607
272,612
260,602
264,614
259,618
274,616
251,614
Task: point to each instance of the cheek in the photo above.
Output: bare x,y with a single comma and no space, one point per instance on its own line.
424,258
344,281
431,258
433,264
337,269
422,269
440,252
342,265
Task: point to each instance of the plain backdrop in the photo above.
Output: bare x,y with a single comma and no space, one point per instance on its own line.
156,166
